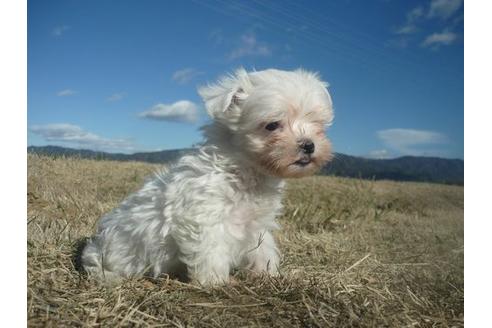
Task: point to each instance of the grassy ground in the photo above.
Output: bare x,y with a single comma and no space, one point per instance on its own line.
355,253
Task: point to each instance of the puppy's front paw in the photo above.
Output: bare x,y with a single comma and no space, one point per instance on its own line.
212,271
268,266
210,279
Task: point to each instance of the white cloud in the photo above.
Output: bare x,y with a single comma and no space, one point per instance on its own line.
444,8
180,111
249,46
438,39
185,75
66,92
59,30
409,141
406,29
415,13
116,97
378,154
412,16
74,135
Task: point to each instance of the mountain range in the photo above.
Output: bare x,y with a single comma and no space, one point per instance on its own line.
407,168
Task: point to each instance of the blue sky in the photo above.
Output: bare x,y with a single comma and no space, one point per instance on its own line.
121,76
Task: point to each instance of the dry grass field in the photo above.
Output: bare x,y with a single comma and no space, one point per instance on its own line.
355,253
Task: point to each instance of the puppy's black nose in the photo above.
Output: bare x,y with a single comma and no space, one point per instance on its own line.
308,147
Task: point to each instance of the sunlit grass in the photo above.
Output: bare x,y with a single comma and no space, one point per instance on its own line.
355,253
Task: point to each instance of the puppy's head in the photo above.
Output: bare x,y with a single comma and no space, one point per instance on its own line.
275,119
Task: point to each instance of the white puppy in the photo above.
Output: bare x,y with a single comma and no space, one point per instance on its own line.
215,211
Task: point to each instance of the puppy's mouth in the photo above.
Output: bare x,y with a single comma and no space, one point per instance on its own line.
303,161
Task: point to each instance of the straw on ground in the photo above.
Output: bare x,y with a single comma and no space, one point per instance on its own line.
355,253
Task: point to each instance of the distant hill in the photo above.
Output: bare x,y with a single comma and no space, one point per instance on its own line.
407,168
164,156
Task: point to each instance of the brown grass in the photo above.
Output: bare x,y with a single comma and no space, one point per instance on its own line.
355,253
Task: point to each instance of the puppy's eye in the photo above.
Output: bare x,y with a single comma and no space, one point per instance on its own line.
272,126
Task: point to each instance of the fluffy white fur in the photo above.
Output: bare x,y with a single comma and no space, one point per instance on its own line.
215,211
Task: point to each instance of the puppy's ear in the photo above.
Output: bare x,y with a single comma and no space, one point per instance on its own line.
223,99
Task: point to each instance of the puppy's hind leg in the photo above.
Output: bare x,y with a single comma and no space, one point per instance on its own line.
92,261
